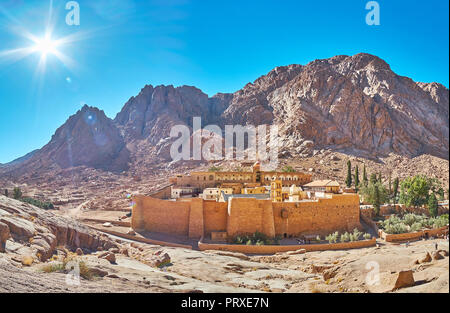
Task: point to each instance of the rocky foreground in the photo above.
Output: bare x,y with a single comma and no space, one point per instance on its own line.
35,243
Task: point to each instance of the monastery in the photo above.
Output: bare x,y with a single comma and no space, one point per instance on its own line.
221,205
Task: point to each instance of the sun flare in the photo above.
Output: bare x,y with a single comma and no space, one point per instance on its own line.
45,46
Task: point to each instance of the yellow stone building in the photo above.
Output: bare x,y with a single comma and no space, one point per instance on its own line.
237,180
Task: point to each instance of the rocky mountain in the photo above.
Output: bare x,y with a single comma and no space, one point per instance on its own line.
355,104
87,138
351,104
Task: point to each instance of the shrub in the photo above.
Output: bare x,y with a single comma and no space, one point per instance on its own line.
345,237
332,238
17,193
367,236
399,228
356,234
439,222
416,227
39,204
61,267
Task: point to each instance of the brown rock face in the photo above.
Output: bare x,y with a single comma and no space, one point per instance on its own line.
153,112
87,138
4,235
349,103
404,279
40,232
352,104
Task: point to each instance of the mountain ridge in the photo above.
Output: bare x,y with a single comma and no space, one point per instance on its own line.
354,104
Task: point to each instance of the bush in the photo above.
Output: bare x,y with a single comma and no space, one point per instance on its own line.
39,204
356,234
332,238
367,236
416,227
256,238
345,237
440,222
85,271
17,193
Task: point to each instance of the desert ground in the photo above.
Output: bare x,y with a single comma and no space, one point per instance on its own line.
135,265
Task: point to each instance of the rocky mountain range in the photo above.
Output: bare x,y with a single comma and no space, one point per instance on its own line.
352,104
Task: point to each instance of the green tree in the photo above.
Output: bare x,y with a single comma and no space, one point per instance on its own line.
214,169
395,189
390,184
415,191
17,193
348,180
365,180
356,178
6,192
288,169
380,178
375,194
376,199
373,179
433,205
441,193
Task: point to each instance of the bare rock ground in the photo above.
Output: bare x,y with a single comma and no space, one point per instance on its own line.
35,233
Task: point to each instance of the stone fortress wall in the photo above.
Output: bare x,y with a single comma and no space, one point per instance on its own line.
195,217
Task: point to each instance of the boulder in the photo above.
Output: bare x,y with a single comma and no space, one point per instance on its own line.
426,259
437,256
159,259
114,250
19,227
111,257
27,260
404,279
124,251
98,272
4,235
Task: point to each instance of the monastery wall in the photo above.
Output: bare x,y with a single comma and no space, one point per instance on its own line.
248,215
196,217
215,215
321,217
162,216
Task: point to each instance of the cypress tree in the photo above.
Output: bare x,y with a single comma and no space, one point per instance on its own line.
395,189
348,180
365,180
433,205
376,200
356,178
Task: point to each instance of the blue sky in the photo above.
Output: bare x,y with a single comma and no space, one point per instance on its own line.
217,46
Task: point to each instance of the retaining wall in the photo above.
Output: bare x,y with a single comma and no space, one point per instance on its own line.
272,249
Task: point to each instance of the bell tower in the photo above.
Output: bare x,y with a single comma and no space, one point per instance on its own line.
257,172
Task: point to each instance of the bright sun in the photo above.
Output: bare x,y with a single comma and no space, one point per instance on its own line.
45,45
